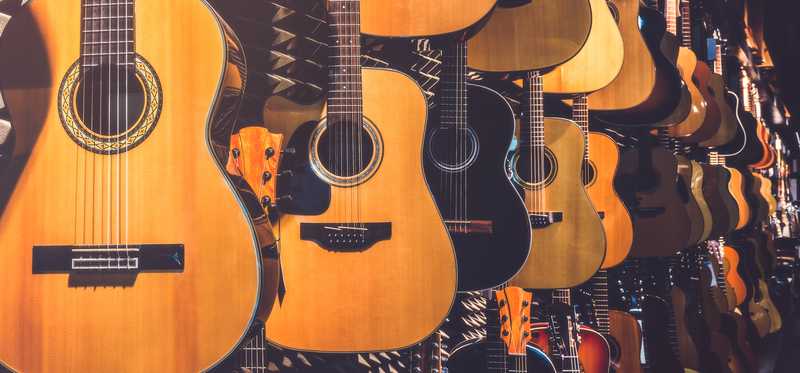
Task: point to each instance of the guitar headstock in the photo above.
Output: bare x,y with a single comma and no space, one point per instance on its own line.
514,306
254,155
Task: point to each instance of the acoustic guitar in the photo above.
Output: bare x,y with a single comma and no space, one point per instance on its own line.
620,329
127,248
758,312
465,153
713,305
507,347
721,204
571,345
346,234
714,83
647,88
598,62
648,185
570,242
601,159
694,211
696,126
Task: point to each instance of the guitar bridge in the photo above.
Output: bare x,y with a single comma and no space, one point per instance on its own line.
346,237
111,258
545,219
469,226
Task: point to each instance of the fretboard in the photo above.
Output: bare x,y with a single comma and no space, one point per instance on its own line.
580,114
344,90
562,296
532,129
600,298
497,357
686,24
718,59
454,86
107,32
671,14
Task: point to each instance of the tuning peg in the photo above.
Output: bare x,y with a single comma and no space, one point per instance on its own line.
269,152
235,152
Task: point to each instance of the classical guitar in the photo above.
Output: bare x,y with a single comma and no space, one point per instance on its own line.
647,88
701,123
465,152
127,248
573,346
507,347
345,217
600,162
570,242
648,185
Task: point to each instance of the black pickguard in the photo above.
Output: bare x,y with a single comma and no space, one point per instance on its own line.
472,358
485,259
310,195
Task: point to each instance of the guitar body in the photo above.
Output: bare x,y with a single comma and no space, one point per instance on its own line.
567,252
756,311
697,193
687,348
625,341
476,355
658,348
695,215
593,351
531,36
721,203
735,328
670,48
486,257
647,183
167,190
737,285
604,159
597,63
719,346
736,190
416,18
728,124
317,276
645,93
637,78
692,129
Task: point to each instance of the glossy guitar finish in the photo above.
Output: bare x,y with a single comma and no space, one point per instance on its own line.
471,357
649,88
617,223
655,314
177,320
697,220
415,18
531,36
721,203
727,126
598,62
692,128
736,189
593,351
697,193
625,341
647,183
737,285
464,163
313,274
568,252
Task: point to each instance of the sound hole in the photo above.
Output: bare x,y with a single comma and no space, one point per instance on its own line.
534,168
452,149
109,100
343,153
588,172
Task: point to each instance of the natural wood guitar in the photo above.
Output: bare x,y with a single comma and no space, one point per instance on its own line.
345,234
125,255
714,84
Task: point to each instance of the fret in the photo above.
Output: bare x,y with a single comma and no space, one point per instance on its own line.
686,24
671,16
344,91
580,114
107,33
453,91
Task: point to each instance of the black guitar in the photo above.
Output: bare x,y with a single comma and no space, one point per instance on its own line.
465,150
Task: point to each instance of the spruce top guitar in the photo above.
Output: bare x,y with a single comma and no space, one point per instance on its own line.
348,235
465,152
715,82
125,255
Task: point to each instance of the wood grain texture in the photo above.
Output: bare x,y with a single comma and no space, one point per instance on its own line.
637,78
604,156
697,194
737,285
736,188
177,322
690,204
593,351
566,253
689,129
598,62
728,125
628,335
415,18
687,348
366,301
529,37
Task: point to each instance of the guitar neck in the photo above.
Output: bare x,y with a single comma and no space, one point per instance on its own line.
454,86
600,298
532,130
107,33
671,15
580,114
344,93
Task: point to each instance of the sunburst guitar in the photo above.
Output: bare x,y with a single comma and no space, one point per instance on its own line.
111,237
